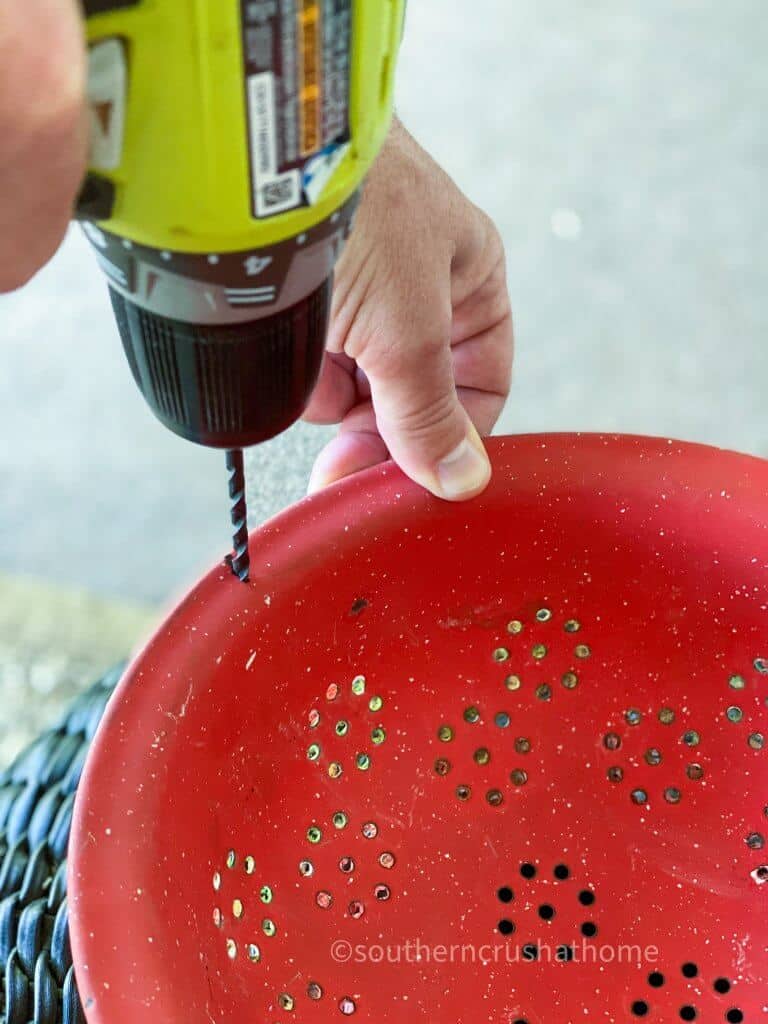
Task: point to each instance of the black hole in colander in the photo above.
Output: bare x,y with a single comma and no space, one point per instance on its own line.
734,1016
656,979
565,953
689,970
528,870
722,985
688,1013
546,912
520,1020
506,927
640,1008
589,928
586,897
505,894
530,951
561,871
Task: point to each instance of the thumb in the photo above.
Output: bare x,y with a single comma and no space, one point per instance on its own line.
418,413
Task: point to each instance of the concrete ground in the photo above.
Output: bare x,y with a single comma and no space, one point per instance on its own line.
620,147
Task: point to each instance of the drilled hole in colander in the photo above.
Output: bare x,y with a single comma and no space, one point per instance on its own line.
505,894
688,1012
656,979
689,970
722,985
506,927
528,870
546,911
734,1016
640,1008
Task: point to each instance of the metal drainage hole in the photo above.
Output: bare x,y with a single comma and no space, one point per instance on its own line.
528,870
561,872
689,970
640,1008
688,1013
589,929
570,680
506,927
505,894
734,1016
546,912
722,985
655,979
586,897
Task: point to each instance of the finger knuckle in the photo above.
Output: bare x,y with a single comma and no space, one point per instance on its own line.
429,418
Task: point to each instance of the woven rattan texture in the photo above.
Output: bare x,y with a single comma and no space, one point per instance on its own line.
37,794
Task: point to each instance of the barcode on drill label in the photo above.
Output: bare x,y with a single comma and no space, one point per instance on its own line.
297,67
274,192
279,194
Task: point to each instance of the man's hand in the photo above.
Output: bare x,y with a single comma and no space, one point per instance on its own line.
43,130
419,353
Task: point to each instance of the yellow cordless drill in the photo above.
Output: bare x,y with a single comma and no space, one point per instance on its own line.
229,141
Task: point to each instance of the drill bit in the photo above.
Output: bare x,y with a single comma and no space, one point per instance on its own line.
239,560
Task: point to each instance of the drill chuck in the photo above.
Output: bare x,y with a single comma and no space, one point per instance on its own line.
226,385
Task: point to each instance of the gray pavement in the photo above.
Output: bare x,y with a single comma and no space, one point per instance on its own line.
621,148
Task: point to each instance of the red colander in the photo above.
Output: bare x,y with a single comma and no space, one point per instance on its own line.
499,762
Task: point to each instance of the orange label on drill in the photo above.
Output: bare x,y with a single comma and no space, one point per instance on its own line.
309,28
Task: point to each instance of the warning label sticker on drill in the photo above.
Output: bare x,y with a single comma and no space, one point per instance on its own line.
297,55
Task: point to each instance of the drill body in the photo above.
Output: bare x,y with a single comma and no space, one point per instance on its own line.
230,139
